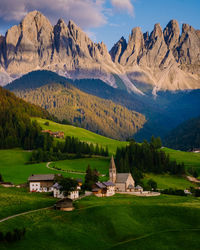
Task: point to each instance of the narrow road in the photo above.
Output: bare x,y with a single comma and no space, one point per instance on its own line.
66,171
193,179
28,212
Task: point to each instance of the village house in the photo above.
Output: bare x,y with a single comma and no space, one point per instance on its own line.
57,193
65,204
124,182
138,188
57,134
102,189
41,183
196,150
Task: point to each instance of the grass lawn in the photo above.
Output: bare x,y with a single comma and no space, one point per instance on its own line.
80,165
14,169
166,181
119,222
18,200
190,159
83,135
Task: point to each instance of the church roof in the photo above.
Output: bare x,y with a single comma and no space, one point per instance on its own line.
100,185
112,163
122,177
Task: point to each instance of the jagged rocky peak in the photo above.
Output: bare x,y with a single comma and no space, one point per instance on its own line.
172,34
135,47
186,28
198,33
146,38
29,43
157,32
102,49
188,52
61,34
118,49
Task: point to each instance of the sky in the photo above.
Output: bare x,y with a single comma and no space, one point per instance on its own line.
104,20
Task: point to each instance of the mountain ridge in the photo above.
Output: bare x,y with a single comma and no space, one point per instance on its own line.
165,59
63,100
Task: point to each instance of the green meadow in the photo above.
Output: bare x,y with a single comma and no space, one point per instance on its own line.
190,159
119,222
14,169
166,181
80,165
18,200
83,135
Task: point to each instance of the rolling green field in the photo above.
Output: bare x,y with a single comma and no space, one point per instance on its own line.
80,165
166,181
14,169
18,200
190,159
83,135
119,222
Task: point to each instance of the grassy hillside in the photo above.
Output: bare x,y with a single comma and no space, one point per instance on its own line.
18,200
166,181
190,159
80,165
65,101
119,222
83,135
13,166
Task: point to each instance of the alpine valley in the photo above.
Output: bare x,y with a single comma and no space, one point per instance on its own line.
98,149
156,77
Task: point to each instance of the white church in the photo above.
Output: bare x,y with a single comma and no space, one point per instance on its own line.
124,182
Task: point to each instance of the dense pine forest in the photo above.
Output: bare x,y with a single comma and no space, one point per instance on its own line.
186,136
71,148
55,94
146,158
16,127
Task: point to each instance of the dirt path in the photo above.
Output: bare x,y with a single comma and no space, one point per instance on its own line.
66,171
193,179
28,212
154,233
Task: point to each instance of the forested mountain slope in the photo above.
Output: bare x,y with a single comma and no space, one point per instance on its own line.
186,136
16,128
95,114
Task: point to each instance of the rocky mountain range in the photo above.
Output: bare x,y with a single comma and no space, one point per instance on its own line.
164,59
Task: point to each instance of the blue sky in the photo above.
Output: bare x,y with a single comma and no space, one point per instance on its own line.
105,20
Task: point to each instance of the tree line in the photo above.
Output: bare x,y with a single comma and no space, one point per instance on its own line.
72,147
146,157
16,127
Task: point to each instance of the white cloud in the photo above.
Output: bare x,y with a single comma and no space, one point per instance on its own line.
123,5
86,13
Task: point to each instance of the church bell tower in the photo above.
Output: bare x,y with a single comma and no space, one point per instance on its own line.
112,170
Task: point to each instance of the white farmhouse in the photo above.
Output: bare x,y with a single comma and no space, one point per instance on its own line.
41,183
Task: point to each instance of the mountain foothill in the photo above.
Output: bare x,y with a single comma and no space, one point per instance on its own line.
146,85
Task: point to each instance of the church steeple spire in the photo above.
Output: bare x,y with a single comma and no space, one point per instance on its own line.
112,170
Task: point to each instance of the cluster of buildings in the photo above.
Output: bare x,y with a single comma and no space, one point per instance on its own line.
57,134
47,183
118,182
